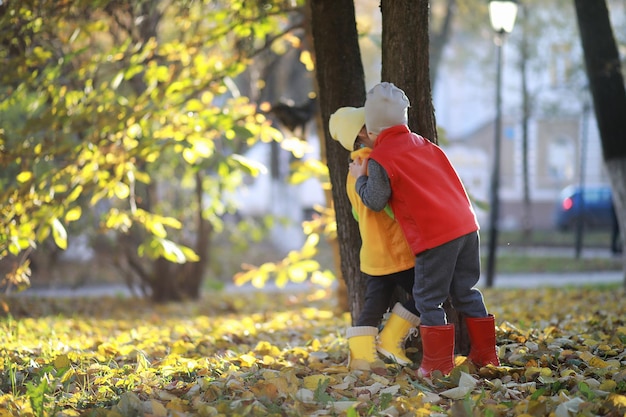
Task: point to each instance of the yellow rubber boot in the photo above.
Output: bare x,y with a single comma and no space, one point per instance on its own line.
362,344
400,325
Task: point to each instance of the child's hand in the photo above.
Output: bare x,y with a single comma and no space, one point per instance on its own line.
358,167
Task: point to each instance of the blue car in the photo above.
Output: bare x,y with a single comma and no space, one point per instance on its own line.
593,205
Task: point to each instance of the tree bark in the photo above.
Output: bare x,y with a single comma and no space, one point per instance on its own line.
606,83
340,82
405,59
405,62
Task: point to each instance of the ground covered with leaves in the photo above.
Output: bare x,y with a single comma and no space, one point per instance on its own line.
267,354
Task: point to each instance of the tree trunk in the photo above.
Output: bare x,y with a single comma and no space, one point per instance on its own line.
164,283
192,273
405,59
340,82
609,96
405,62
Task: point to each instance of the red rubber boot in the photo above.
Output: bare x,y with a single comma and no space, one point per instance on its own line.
438,348
482,333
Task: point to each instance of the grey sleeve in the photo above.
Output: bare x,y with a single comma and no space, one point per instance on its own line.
374,188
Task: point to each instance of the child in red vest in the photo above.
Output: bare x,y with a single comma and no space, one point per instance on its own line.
414,176
386,261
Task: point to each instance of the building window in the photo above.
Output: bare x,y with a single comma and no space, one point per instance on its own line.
560,65
561,160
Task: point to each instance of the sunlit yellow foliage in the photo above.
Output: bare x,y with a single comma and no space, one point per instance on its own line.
99,105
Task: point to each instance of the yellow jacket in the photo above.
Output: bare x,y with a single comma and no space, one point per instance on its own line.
384,249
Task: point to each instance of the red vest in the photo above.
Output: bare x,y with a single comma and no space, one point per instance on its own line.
427,196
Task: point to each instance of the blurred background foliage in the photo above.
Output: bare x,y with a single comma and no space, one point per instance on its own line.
125,121
124,132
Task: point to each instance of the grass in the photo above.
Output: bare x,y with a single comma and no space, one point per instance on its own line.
516,254
525,263
552,238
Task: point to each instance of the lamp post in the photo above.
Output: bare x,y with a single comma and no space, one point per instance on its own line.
581,180
502,15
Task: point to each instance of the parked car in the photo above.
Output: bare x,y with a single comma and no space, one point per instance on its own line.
592,204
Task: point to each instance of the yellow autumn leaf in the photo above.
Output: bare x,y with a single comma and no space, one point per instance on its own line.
266,390
618,400
268,360
266,348
315,344
313,381
284,386
61,362
59,234
247,360
73,214
177,404
307,59
24,176
180,347
607,385
593,360
121,190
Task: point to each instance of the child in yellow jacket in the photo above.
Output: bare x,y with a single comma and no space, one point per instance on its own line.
386,260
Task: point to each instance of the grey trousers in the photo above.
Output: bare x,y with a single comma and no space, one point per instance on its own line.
451,269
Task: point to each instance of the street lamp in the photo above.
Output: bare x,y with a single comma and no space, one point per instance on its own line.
502,15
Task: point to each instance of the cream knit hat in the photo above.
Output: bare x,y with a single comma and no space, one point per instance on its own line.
386,105
345,124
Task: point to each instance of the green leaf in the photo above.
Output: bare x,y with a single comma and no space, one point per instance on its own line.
36,394
538,393
585,389
351,412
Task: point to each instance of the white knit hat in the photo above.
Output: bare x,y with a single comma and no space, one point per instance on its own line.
385,106
345,124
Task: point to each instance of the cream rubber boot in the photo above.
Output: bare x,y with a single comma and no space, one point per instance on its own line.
362,344
400,325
